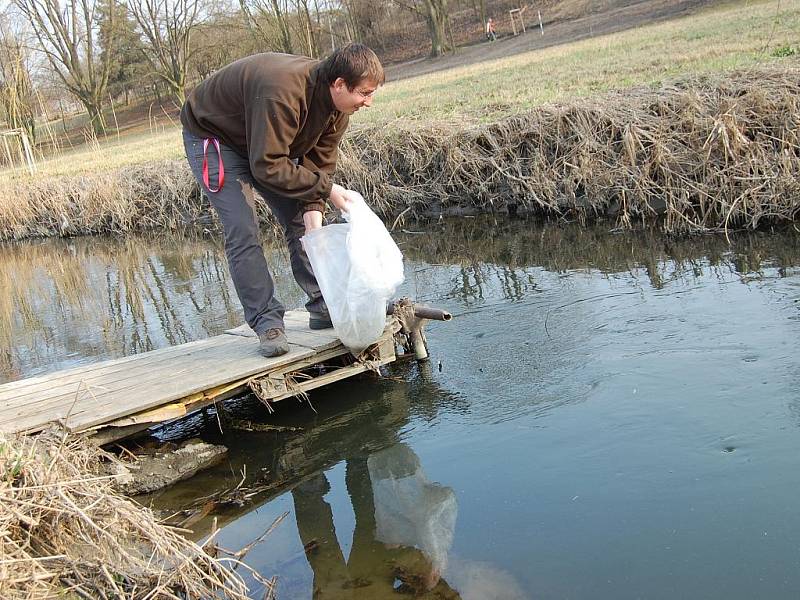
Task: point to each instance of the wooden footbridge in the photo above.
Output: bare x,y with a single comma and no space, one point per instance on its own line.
116,398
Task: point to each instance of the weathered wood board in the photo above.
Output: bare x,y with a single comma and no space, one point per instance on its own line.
166,383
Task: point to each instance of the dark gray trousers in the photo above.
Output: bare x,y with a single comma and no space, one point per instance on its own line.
235,204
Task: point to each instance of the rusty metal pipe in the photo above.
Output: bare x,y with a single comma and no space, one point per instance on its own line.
425,312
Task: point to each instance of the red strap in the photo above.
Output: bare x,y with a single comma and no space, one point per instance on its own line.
221,176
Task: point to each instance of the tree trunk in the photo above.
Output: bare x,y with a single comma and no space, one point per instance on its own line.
283,27
67,35
438,18
95,111
311,38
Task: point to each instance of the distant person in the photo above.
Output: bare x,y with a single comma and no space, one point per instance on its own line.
271,123
491,35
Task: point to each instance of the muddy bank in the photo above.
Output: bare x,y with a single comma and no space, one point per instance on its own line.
697,155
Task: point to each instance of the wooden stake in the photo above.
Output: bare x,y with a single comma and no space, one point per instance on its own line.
28,152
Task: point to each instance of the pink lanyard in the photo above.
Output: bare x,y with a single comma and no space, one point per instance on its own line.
221,176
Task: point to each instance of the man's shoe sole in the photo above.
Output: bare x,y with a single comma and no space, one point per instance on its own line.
273,353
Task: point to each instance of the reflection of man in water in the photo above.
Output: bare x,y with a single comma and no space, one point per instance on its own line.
404,529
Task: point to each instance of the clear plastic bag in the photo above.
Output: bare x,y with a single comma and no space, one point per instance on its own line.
410,510
358,267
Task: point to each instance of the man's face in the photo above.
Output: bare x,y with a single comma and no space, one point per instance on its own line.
348,100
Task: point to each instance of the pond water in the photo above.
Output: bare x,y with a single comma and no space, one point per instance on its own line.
606,416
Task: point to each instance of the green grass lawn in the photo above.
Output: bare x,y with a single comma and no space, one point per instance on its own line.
734,36
715,40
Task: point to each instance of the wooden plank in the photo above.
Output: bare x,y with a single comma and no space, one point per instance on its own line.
117,402
146,364
138,422
105,433
54,386
130,365
77,373
232,369
131,391
152,382
104,366
328,378
114,404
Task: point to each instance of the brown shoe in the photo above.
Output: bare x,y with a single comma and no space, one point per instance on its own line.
273,342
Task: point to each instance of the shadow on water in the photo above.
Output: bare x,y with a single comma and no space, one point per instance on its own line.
484,249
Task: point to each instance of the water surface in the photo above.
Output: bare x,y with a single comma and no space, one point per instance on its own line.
607,416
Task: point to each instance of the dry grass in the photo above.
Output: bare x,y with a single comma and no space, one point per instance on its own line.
65,532
706,154
719,39
140,197
697,155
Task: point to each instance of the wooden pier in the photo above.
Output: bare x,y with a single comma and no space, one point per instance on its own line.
115,398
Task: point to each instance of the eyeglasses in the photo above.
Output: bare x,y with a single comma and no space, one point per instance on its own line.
364,94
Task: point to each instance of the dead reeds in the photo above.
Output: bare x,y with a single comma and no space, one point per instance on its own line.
703,154
65,532
698,155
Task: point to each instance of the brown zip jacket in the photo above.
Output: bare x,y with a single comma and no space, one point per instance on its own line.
273,110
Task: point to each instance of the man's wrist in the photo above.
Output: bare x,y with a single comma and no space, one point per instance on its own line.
312,219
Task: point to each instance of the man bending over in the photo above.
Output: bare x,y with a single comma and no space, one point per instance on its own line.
271,123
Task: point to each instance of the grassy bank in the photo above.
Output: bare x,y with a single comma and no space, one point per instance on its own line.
700,155
141,182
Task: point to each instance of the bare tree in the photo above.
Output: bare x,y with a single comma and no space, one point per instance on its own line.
129,67
363,18
438,20
167,26
217,43
67,34
16,88
438,23
266,17
307,26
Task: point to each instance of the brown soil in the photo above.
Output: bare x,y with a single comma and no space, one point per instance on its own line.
607,16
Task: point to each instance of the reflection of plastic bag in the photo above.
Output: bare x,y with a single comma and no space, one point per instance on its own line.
410,510
358,267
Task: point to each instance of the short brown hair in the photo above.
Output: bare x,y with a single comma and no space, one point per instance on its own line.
354,63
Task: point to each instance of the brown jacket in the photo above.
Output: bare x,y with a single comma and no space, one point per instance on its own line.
273,109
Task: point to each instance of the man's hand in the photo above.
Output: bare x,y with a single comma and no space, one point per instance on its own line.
312,219
339,197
